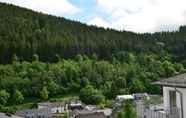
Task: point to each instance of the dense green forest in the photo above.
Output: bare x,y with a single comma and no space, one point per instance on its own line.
95,81
43,56
25,33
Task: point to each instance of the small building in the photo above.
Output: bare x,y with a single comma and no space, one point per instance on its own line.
140,96
91,111
44,110
87,114
121,98
174,94
53,107
107,112
91,107
75,105
33,113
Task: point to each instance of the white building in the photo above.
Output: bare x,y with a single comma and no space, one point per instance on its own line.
53,107
121,98
174,94
44,110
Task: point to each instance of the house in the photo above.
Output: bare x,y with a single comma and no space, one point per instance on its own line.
121,98
91,111
107,112
91,107
33,113
119,101
75,105
53,107
87,114
44,110
38,113
7,115
140,96
174,94
74,109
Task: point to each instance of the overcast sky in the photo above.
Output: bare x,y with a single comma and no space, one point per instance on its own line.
132,15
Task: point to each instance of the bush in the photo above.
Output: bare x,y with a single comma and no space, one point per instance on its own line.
137,86
4,96
98,98
128,111
89,95
18,97
44,94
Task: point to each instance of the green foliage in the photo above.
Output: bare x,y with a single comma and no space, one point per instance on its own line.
35,57
128,111
53,88
8,109
169,68
4,96
18,97
102,63
44,94
24,32
137,87
179,68
104,79
65,115
89,95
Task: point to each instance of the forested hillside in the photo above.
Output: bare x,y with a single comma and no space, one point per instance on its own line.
94,81
25,33
94,63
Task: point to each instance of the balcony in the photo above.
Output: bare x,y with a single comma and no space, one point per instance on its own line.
156,111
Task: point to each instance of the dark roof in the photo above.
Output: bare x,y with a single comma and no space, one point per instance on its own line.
175,81
89,114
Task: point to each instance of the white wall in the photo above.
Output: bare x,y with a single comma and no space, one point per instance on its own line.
178,102
41,107
57,110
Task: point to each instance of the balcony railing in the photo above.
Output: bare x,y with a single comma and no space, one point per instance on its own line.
157,112
168,113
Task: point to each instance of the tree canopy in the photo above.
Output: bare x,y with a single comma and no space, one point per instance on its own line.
93,80
25,33
43,56
128,111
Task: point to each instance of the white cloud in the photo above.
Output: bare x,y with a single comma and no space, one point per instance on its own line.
143,15
132,15
55,7
99,22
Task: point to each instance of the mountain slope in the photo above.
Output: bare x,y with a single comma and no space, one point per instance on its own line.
24,32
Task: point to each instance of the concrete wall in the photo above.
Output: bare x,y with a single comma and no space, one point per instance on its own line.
166,98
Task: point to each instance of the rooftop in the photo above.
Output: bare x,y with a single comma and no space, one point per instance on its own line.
175,81
125,97
4,115
50,104
88,114
26,112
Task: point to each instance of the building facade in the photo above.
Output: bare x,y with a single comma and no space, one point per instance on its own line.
174,94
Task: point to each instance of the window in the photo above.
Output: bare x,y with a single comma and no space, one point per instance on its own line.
172,95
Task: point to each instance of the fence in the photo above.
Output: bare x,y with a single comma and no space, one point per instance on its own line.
146,112
174,113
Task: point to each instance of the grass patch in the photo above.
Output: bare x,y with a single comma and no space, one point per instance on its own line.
31,102
155,99
28,103
63,98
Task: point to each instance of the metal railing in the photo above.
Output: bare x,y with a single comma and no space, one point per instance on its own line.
171,113
149,112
